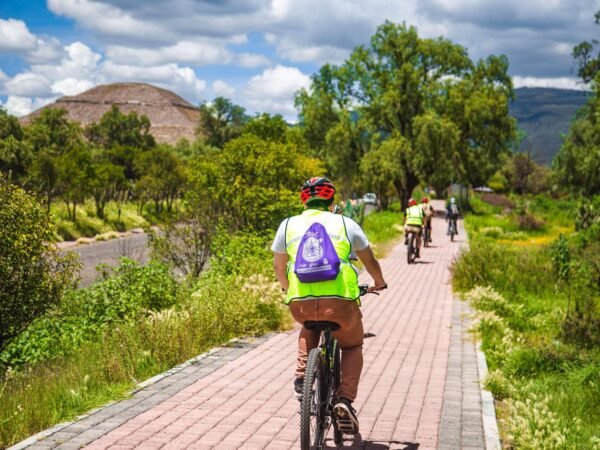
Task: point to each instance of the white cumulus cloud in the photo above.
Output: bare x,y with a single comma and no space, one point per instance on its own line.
14,35
27,85
197,53
20,106
222,89
558,83
273,90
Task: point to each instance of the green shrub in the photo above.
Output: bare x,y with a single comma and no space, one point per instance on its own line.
33,276
84,313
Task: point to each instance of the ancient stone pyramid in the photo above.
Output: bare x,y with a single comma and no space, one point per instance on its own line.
171,116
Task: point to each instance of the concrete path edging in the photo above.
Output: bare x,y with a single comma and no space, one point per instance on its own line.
488,408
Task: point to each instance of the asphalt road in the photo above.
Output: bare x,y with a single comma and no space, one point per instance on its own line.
109,252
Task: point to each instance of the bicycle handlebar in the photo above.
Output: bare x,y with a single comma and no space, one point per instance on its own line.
366,289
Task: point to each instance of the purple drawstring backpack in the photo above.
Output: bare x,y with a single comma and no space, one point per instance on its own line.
316,259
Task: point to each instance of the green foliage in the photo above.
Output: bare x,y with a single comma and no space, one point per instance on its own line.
83,314
577,164
267,127
589,65
252,184
445,118
221,121
185,242
587,215
236,296
383,226
163,178
536,311
118,129
15,154
33,276
52,132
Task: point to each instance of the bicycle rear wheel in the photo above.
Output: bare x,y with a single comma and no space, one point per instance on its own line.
337,434
410,255
426,237
314,399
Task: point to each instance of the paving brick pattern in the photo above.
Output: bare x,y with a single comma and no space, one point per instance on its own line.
412,381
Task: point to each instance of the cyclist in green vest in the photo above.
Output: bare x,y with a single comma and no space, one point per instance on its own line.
335,300
413,222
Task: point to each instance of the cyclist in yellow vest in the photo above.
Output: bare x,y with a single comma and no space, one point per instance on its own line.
335,300
413,222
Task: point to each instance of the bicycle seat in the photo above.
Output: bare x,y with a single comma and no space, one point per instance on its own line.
321,325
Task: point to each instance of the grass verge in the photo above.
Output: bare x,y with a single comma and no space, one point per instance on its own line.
383,228
546,385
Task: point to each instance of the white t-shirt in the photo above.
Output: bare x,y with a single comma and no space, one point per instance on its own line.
358,238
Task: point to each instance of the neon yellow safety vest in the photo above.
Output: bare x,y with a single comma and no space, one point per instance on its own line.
414,216
345,285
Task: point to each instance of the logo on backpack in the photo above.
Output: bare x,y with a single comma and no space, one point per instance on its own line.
316,259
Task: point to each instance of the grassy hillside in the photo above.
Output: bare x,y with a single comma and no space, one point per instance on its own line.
544,114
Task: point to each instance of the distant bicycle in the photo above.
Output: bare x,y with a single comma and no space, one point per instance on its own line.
452,229
411,247
321,381
426,236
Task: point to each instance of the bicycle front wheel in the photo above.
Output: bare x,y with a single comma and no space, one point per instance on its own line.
314,399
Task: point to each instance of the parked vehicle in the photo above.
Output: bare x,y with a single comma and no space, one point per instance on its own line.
370,198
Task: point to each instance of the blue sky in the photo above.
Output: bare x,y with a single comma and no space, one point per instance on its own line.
259,52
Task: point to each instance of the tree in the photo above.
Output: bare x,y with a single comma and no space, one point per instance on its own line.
267,127
74,175
442,112
577,164
163,177
51,135
33,275
221,121
52,132
118,129
15,154
106,182
589,65
252,183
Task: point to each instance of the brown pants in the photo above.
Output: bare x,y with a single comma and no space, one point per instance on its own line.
349,336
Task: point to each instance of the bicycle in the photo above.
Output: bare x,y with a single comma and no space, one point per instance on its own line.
452,228
321,382
411,254
426,235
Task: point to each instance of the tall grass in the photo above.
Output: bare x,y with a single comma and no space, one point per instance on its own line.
547,388
236,297
383,228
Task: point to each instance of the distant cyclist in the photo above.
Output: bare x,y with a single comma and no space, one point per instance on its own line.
413,222
452,213
299,252
428,213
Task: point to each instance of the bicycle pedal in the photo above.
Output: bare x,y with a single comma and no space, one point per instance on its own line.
346,426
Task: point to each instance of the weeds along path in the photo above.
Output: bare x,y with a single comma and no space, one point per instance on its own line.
243,397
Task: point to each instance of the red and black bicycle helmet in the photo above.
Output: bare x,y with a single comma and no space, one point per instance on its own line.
424,200
317,188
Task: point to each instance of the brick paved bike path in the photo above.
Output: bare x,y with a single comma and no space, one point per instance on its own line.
242,397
